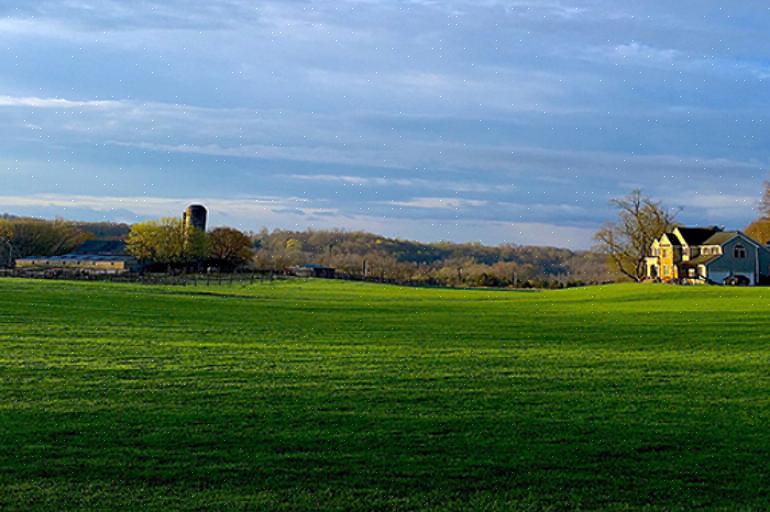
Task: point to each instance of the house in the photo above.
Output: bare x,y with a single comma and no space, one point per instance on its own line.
707,255
92,257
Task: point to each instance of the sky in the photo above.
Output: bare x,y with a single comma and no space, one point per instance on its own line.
499,121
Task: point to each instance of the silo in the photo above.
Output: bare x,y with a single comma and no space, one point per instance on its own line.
195,216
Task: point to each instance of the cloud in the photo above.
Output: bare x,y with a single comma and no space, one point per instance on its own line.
438,117
453,203
57,103
294,213
84,15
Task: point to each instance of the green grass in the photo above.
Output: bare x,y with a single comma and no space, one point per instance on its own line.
337,396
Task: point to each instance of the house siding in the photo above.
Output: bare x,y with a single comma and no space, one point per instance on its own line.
669,255
764,263
728,265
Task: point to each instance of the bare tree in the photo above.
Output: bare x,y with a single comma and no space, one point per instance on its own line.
759,230
626,242
764,203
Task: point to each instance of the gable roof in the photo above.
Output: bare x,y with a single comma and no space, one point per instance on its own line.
725,236
697,236
720,238
672,239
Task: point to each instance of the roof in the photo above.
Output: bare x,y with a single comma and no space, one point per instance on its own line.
317,266
102,247
697,236
720,238
672,239
703,259
77,257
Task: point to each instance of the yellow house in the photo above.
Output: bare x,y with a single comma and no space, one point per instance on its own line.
707,255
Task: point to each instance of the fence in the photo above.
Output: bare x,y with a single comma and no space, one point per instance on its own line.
220,279
215,279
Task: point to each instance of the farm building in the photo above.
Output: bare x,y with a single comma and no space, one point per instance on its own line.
708,255
94,256
314,270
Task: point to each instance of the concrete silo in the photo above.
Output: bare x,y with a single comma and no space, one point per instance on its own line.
195,216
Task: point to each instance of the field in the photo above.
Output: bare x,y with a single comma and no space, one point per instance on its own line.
312,395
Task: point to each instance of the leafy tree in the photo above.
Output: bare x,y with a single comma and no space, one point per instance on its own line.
626,242
166,242
293,244
229,248
24,237
759,230
6,242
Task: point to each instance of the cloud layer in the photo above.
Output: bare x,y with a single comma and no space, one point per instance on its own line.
499,120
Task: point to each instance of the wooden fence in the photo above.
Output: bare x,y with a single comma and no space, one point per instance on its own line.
215,279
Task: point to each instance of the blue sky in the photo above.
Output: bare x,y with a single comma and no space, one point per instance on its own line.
489,120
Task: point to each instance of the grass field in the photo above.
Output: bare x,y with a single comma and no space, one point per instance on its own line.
336,396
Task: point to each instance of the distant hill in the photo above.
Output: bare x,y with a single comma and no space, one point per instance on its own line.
104,230
358,254
446,263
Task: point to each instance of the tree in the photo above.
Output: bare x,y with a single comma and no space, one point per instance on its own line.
166,242
627,241
229,248
35,237
6,242
759,230
764,203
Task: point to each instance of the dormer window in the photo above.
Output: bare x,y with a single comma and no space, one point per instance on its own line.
739,252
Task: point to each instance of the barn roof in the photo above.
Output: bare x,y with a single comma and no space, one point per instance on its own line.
102,247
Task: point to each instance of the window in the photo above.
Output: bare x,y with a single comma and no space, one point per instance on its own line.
739,252
664,253
666,270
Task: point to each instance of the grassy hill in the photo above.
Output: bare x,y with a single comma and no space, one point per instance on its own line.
347,396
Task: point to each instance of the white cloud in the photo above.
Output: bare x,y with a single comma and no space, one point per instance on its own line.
633,53
60,103
439,203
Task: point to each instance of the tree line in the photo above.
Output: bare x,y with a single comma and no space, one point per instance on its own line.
21,237
167,243
621,248
362,255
